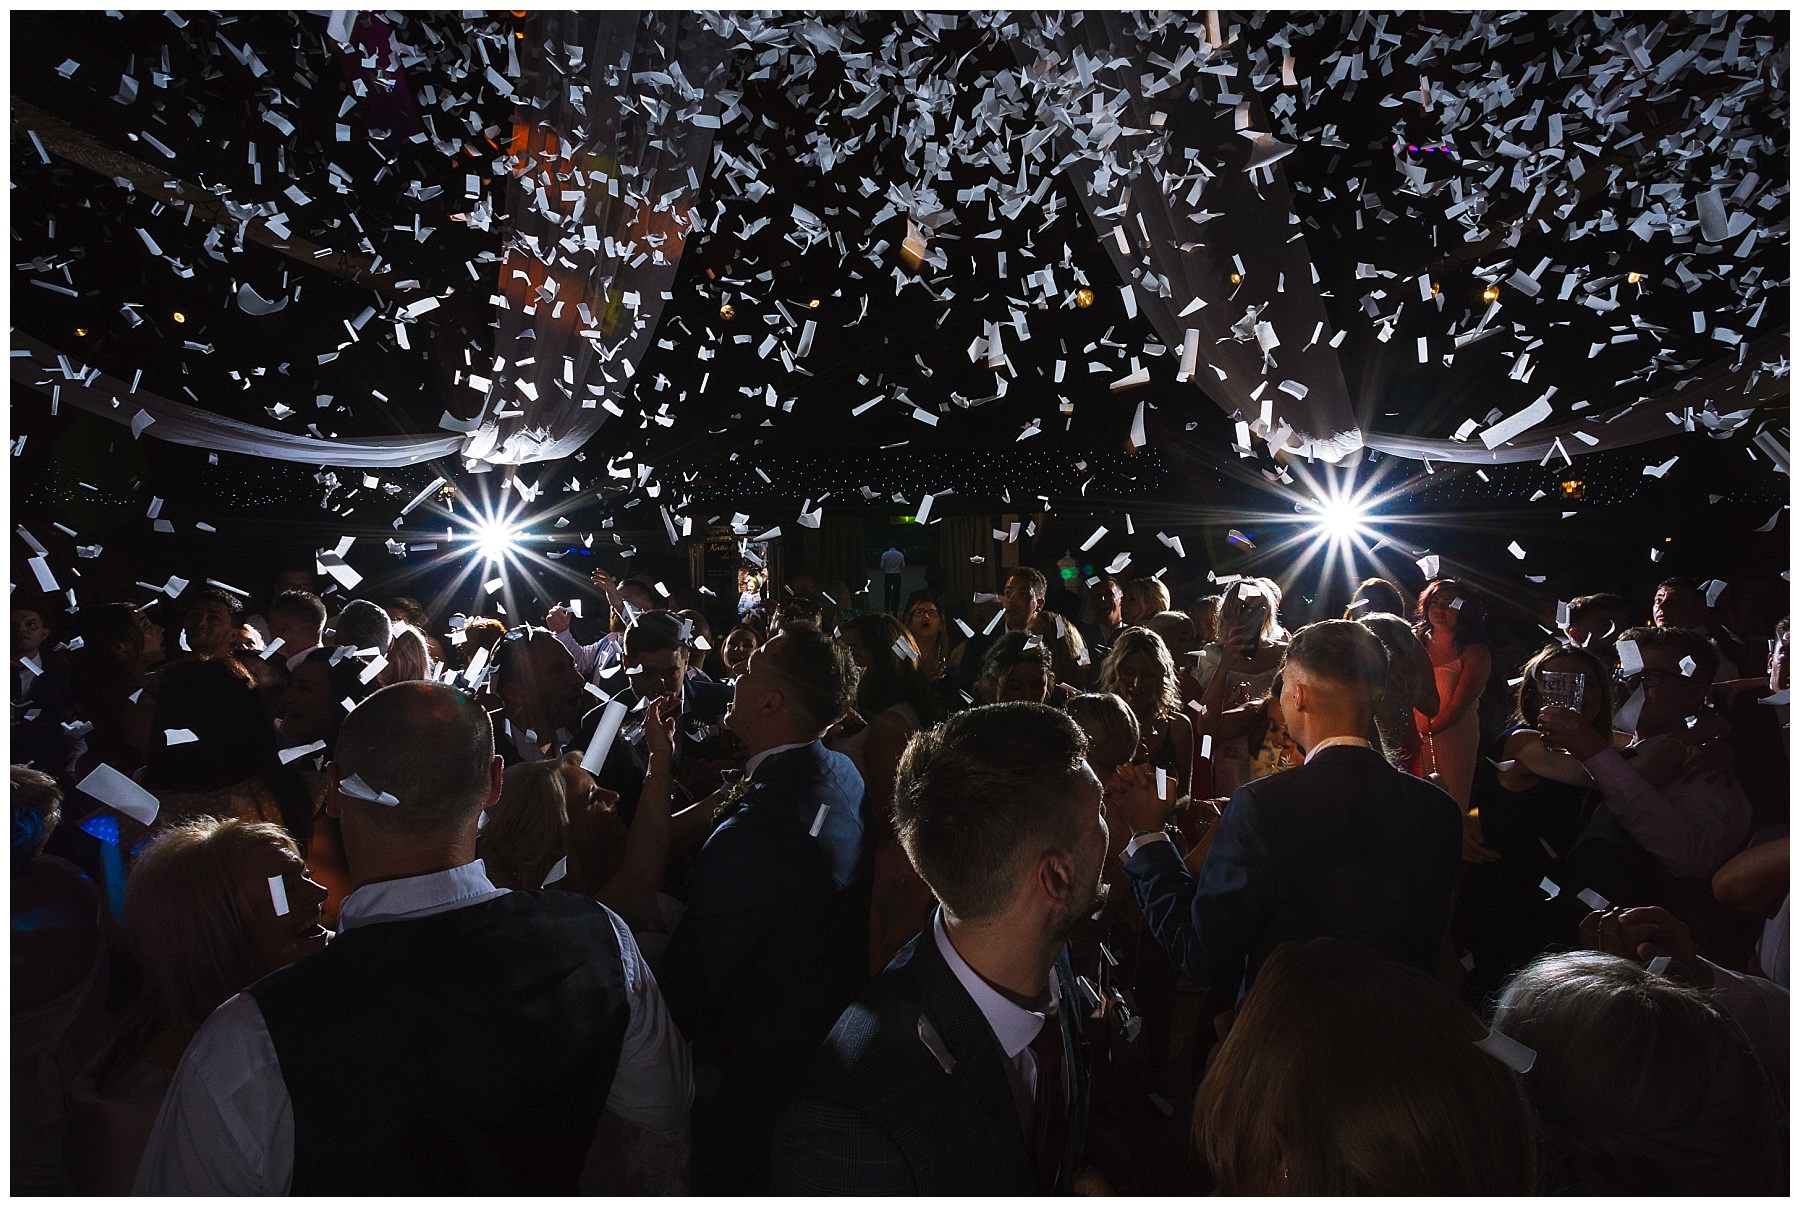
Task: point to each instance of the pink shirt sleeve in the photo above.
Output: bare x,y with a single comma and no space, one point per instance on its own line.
1691,828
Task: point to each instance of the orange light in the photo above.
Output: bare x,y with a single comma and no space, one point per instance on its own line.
1633,278
813,305
1237,278
179,317
1491,294
1084,298
80,332
728,312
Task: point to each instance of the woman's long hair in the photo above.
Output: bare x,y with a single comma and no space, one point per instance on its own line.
892,677
1468,631
1530,697
1140,640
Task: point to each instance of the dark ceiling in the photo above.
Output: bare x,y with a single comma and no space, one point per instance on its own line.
260,109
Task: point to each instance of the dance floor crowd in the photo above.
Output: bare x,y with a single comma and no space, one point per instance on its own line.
1042,892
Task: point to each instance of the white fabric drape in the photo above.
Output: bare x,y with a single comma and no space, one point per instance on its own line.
612,138
1162,179
71,384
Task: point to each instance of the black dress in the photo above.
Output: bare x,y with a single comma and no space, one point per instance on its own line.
1505,917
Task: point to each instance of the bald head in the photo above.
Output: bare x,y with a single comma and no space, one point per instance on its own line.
426,745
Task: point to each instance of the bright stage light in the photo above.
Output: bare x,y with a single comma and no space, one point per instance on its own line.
1339,519
496,538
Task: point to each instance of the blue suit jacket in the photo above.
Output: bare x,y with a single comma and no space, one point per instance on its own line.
1344,845
882,1115
773,946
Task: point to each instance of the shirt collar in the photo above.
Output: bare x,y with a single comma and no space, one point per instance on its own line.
1013,1025
295,659
418,896
1346,740
756,760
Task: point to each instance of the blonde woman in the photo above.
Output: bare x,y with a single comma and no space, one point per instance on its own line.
212,905
554,827
1139,670
1238,667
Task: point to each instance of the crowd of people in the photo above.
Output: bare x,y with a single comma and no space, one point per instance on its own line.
1039,892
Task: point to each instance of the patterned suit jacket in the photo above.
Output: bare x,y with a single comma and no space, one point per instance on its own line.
911,1094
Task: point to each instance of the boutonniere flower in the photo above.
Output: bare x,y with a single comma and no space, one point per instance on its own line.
734,795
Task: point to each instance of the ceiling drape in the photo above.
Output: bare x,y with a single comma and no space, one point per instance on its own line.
613,134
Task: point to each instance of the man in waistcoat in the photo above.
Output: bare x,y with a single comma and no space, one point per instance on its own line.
454,1038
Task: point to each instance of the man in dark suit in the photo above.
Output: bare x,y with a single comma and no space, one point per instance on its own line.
1344,845
774,943
543,699
656,657
959,1070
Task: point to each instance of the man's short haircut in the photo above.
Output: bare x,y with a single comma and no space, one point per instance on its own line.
363,625
510,653
979,798
652,632
1110,726
1010,649
818,676
200,595
1584,606
1680,583
1039,584
38,603
798,610
429,746
1343,653
1685,644
302,607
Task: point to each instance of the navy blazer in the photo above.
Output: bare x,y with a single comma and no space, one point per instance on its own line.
773,946
884,1113
1344,845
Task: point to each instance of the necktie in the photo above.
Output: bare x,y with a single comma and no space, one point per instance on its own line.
1050,1111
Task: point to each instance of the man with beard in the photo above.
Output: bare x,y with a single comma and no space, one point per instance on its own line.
542,696
959,1070
774,943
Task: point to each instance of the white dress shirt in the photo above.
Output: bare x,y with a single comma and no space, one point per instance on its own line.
1013,1025
1345,740
295,659
756,760
227,1123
